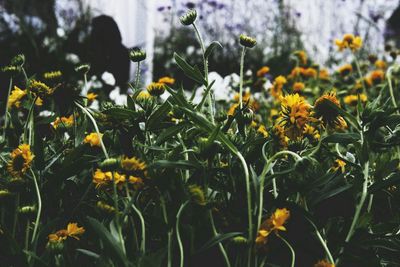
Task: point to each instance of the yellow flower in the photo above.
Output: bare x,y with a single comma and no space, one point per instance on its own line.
15,97
380,64
93,139
349,41
91,97
143,95
328,114
119,180
274,223
262,71
352,100
263,131
40,89
232,109
52,75
302,56
21,160
309,73
276,89
324,74
345,70
310,132
294,114
101,178
375,77
167,80
298,86
133,164
156,88
65,121
137,182
279,133
338,165
72,231
245,97
324,263
39,102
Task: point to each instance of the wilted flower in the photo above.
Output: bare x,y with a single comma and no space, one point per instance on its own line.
328,114
294,115
310,132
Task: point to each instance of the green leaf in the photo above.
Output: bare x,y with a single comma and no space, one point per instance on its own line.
158,115
169,132
192,72
88,253
111,245
384,184
176,164
121,113
211,48
203,100
342,138
218,239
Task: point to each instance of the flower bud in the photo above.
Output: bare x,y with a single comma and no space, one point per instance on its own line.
189,18
5,193
239,240
105,207
11,69
18,60
197,195
82,69
137,55
247,41
110,164
27,209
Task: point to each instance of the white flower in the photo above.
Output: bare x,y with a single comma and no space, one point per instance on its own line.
108,78
72,58
46,113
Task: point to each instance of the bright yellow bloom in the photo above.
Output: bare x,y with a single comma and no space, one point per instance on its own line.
133,164
93,139
324,263
352,100
262,71
15,97
21,160
324,74
167,80
72,231
298,86
294,114
91,97
137,182
276,89
339,165
345,70
279,133
65,121
262,130
232,109
274,223
101,178
349,41
309,73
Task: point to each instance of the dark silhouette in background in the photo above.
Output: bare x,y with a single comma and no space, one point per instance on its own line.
107,53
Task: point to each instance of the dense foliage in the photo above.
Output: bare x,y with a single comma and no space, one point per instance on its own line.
303,171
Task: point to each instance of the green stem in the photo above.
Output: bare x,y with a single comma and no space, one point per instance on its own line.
137,76
165,215
205,63
221,247
241,77
39,211
143,227
95,127
359,72
185,154
6,113
178,235
291,250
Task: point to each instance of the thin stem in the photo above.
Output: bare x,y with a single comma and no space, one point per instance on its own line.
205,63
291,250
185,154
39,211
137,76
241,77
360,204
143,227
178,235
221,247
6,103
29,122
265,171
359,72
95,127
165,216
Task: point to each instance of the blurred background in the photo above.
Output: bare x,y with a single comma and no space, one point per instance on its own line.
59,34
